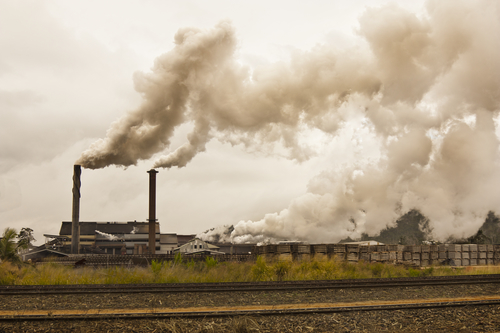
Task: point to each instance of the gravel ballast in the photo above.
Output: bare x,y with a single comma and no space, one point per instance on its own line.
463,319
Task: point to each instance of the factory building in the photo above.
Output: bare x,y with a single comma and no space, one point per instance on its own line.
115,238
124,238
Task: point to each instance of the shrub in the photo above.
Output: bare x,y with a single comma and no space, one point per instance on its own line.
178,258
8,273
412,272
156,267
377,269
281,269
210,262
260,271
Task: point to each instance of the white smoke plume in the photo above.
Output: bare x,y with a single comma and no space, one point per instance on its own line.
220,234
427,89
109,236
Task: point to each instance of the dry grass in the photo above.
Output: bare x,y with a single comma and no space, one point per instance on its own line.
212,271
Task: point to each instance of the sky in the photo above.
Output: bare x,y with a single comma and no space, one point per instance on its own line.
245,138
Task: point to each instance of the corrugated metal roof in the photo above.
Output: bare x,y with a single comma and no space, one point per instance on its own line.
89,228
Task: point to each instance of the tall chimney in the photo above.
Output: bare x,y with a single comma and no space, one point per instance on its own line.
152,211
75,218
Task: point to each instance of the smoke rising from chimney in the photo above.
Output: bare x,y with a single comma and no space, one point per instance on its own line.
427,88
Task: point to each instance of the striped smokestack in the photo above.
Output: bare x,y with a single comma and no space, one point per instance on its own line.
75,218
152,211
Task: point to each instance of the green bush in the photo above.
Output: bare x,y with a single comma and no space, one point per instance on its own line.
281,270
8,273
178,258
156,267
377,269
210,262
260,271
412,272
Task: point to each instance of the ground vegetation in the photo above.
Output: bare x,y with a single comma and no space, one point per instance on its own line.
189,271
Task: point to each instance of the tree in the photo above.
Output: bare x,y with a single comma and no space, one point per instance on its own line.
25,238
8,246
479,238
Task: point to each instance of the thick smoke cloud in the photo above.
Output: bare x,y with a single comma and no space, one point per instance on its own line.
427,88
200,81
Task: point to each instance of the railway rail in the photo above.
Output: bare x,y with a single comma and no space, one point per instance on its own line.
294,309
248,286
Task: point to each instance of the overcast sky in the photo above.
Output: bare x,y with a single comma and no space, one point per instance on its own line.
66,74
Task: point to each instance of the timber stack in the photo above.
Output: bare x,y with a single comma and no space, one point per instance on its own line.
416,255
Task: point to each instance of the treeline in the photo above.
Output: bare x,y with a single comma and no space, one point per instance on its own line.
413,228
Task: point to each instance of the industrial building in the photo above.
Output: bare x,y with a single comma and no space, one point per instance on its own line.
115,238
122,238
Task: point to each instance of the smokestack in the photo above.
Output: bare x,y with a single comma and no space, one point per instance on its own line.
75,219
152,210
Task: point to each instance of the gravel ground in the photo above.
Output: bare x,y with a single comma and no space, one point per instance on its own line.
464,319
178,300
460,319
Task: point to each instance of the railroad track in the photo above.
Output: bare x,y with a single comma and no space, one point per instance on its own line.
248,286
290,309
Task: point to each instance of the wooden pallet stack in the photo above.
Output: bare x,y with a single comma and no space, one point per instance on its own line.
490,254
258,250
384,253
319,251
337,251
473,254
442,252
365,253
482,254
301,248
455,254
496,254
433,254
377,253
394,250
301,251
465,255
425,255
416,255
399,253
270,251
283,248
352,252
319,248
284,252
